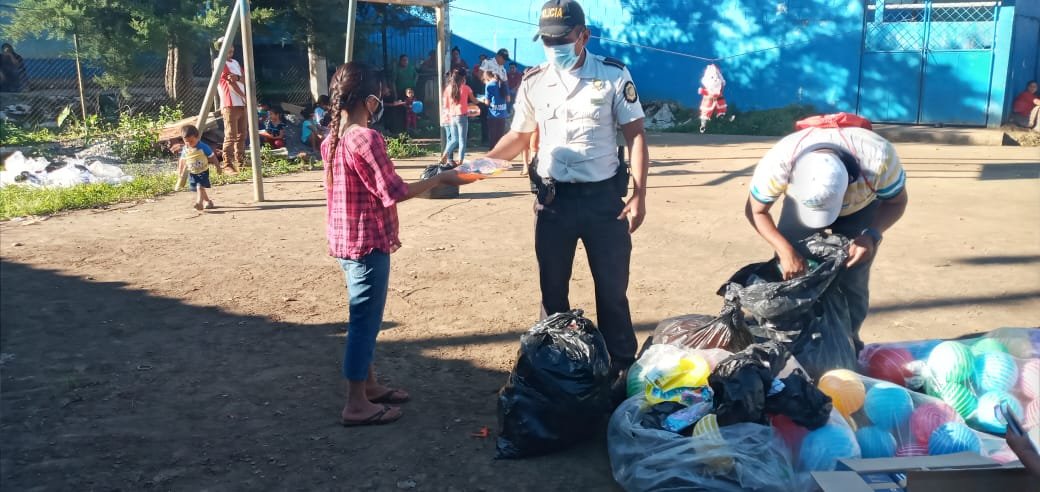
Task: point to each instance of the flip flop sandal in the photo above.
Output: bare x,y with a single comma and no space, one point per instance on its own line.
374,419
392,396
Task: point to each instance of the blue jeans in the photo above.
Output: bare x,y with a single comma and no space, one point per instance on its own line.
367,281
458,131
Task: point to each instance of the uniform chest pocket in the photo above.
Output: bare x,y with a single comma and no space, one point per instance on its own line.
584,122
549,123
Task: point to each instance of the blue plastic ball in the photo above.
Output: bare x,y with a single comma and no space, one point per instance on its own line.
888,406
875,442
988,415
417,107
953,437
822,448
995,371
922,349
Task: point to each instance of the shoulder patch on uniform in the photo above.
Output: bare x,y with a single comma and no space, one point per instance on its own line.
532,71
614,62
630,92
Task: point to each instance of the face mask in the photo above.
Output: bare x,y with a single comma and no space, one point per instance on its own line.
563,56
378,114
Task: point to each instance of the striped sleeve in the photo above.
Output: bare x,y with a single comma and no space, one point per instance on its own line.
892,180
770,179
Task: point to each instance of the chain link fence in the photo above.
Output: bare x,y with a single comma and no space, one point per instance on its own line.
46,85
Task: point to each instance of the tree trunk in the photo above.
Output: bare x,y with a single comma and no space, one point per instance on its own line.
178,80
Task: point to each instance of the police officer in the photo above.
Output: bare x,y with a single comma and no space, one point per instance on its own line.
576,101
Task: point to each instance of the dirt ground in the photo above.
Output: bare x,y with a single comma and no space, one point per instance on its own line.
148,346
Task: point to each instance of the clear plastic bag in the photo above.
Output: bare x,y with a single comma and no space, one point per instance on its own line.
726,331
658,371
972,375
734,458
484,166
890,420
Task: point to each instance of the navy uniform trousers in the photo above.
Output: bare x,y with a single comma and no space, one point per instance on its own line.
589,212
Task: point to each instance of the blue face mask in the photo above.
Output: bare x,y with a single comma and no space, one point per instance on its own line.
563,57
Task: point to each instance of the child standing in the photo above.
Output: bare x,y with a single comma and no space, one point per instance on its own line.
498,110
411,120
195,159
310,133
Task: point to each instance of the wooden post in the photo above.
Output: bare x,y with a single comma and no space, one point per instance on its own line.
214,79
348,55
79,78
251,114
319,74
442,47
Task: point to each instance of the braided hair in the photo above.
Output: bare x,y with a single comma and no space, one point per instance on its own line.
350,86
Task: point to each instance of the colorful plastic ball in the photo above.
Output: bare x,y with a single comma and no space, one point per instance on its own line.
1031,420
635,383
958,396
792,433
845,389
995,371
922,349
823,447
953,437
417,107
951,362
928,417
1029,379
912,449
888,406
987,345
989,417
875,442
890,364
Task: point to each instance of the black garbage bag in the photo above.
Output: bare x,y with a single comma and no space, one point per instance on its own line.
655,415
741,382
801,401
441,191
726,331
559,391
808,314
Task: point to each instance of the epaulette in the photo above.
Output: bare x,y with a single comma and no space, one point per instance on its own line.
614,62
533,71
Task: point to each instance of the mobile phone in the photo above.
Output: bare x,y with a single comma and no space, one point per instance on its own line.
1012,420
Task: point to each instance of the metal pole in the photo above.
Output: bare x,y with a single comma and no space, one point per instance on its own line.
348,55
79,78
218,68
442,46
251,115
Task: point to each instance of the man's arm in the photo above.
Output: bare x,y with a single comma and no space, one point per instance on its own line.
757,213
635,208
889,212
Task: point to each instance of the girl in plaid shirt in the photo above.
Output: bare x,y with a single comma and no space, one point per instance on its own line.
362,190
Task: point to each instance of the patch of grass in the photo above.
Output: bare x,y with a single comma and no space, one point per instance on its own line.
19,201
401,147
769,122
14,135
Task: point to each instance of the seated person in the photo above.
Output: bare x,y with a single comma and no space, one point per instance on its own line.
271,131
321,112
311,133
1025,111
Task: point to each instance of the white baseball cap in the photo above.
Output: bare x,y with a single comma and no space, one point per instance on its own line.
818,184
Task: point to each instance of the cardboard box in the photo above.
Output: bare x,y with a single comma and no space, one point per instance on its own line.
961,472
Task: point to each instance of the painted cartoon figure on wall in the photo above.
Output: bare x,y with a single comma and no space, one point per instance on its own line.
713,104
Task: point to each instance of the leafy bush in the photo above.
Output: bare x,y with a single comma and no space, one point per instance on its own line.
14,135
401,147
136,137
769,122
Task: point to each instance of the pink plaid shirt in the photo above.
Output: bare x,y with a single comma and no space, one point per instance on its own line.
361,209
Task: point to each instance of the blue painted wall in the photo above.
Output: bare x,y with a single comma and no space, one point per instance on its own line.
1024,61
774,52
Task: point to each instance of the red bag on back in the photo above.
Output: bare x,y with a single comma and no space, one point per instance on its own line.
836,120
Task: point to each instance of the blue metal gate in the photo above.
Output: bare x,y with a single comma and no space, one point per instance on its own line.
927,62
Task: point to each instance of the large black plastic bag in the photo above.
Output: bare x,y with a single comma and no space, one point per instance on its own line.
741,382
559,390
645,459
727,331
808,314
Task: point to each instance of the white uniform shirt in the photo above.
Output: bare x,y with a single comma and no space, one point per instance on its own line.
491,65
577,114
882,173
